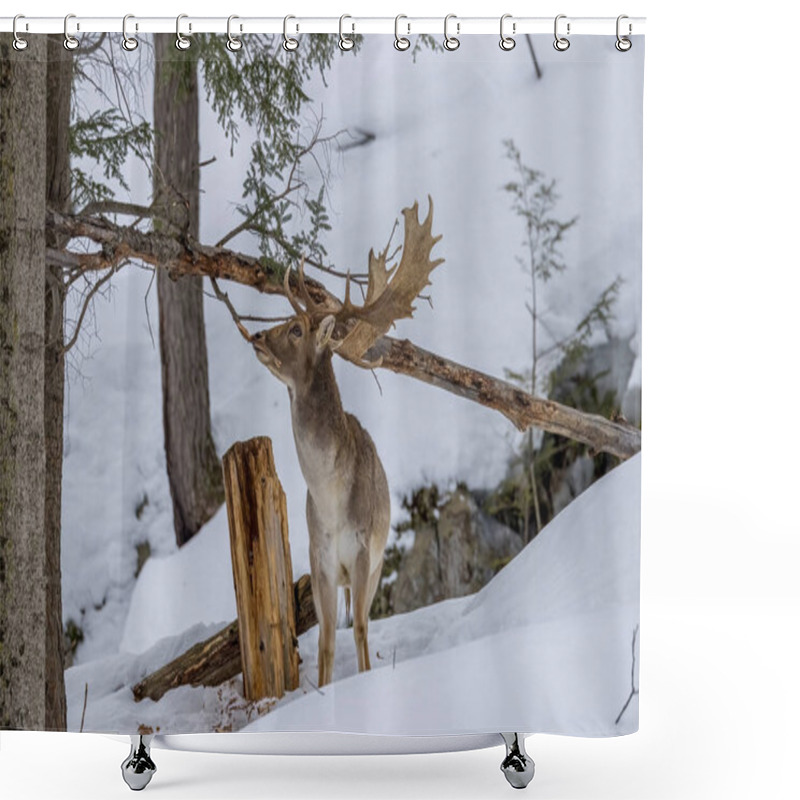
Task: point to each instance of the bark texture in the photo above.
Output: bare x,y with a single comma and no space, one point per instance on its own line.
262,569
23,546
195,475
59,93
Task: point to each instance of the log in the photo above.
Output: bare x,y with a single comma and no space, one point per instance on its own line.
262,569
218,659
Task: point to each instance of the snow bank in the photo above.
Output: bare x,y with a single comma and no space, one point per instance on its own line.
554,626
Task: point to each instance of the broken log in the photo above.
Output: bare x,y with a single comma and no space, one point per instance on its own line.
218,659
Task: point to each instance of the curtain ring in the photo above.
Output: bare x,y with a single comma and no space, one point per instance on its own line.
70,42
233,44
289,44
507,42
451,42
181,42
623,44
345,43
129,43
561,43
19,43
400,42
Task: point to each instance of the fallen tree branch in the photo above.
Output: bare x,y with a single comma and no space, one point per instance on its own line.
218,659
523,409
183,256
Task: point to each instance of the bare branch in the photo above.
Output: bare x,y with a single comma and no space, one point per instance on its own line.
86,302
222,296
116,207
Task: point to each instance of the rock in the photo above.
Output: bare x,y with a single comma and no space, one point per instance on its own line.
454,555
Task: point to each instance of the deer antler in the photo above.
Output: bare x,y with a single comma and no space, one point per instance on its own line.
390,292
308,306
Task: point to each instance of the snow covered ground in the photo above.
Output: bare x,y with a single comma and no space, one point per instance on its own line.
548,640
439,126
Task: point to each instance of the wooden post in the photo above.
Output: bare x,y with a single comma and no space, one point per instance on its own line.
262,570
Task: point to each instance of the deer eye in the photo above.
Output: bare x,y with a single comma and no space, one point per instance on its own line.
296,330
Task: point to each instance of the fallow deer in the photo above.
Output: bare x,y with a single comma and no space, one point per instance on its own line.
347,503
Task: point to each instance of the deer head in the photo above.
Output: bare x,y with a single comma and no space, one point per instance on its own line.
291,350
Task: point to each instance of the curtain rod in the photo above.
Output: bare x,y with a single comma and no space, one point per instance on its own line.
189,24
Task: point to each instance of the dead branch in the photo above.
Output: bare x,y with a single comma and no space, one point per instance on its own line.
634,687
84,308
523,409
222,296
184,256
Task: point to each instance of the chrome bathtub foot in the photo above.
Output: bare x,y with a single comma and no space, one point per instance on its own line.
138,768
517,766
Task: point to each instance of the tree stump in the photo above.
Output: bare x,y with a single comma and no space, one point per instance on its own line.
262,570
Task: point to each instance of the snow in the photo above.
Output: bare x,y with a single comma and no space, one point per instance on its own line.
114,456
557,622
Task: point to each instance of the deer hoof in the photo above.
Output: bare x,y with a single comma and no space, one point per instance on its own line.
517,766
138,768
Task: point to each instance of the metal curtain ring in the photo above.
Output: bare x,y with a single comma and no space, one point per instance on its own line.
18,43
400,42
345,43
623,44
561,43
233,44
451,42
129,43
70,42
289,43
181,42
507,42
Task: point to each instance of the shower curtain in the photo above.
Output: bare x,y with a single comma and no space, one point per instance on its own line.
320,386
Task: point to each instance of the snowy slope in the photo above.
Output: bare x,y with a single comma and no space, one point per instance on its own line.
564,609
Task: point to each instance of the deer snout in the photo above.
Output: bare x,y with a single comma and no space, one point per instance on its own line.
263,352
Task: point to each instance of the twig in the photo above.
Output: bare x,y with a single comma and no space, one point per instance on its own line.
116,207
236,318
314,686
533,56
634,688
74,338
147,309
365,137
85,698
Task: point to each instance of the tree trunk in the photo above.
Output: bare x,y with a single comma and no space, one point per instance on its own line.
195,475
59,91
262,569
24,548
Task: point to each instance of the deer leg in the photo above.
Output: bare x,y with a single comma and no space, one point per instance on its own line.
325,594
362,598
347,617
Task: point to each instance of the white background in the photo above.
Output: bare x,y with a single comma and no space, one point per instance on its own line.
720,539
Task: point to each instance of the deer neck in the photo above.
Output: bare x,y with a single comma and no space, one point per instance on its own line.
319,422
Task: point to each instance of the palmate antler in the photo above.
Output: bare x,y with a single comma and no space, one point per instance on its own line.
390,291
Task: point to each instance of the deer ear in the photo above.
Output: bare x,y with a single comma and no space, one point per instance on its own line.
325,331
